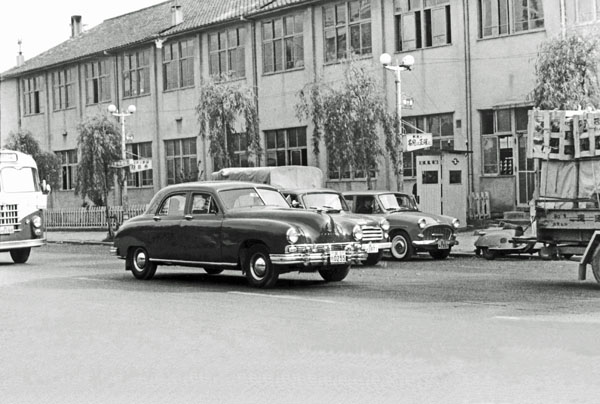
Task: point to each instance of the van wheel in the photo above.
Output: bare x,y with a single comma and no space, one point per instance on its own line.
141,266
20,255
260,272
335,273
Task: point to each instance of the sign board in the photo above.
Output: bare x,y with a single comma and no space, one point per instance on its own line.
414,141
120,164
140,165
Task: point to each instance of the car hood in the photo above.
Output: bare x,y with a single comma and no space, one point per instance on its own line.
414,216
317,227
352,219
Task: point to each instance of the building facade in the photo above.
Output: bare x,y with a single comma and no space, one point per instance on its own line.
471,82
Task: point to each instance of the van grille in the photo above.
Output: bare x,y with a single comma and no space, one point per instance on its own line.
437,232
371,233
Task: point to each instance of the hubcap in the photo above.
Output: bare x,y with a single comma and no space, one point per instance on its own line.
259,267
140,261
399,246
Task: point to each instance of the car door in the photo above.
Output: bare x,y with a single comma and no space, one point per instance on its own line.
163,234
200,233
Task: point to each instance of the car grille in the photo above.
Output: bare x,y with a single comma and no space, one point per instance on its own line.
9,215
372,233
437,232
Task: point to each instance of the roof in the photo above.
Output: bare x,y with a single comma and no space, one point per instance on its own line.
145,25
216,185
310,191
372,192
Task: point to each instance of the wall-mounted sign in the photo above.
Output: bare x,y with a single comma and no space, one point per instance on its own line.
414,141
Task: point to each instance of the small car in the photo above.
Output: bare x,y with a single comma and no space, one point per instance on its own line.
240,226
375,238
411,230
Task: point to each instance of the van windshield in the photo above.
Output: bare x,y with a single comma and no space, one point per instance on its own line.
19,179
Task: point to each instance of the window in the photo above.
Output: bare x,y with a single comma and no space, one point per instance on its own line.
203,204
136,73
63,96
237,146
422,23
139,151
226,53
181,160
286,147
441,128
283,43
503,17
97,82
343,21
68,169
178,64
174,205
32,95
587,10
499,129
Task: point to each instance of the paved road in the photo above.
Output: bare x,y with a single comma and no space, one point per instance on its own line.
77,328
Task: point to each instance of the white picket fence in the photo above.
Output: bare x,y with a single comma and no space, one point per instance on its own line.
93,217
479,205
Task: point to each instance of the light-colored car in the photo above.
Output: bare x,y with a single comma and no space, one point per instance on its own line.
411,231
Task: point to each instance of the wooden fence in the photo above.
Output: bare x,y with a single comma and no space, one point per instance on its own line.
479,205
88,218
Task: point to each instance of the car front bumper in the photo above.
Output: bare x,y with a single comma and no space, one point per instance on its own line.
372,248
321,254
434,244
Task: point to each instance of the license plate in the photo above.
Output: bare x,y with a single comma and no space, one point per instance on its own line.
7,229
372,248
443,244
336,257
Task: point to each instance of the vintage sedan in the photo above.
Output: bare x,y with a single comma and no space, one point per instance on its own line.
411,230
375,237
239,226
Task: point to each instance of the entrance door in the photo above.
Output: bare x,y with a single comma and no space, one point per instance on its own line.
525,172
429,183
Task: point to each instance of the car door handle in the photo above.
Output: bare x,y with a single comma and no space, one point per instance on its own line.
156,218
188,217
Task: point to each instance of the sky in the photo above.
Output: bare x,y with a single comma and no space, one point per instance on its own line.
43,24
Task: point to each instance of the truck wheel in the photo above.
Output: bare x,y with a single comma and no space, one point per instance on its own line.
20,255
141,266
596,264
373,259
335,273
402,248
260,272
439,254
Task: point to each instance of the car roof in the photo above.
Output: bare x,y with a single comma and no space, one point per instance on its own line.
372,192
216,185
310,191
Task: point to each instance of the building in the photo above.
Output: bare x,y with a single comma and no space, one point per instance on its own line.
473,73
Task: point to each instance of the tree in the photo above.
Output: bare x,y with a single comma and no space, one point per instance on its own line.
348,119
567,73
224,106
48,163
99,143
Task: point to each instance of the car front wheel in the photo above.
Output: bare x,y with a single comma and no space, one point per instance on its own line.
402,248
373,259
335,273
260,272
20,255
439,254
140,264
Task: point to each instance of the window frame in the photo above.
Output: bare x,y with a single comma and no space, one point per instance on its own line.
186,162
273,40
508,7
33,89
138,151
97,82
63,84
225,51
342,28
176,55
595,5
421,20
135,73
69,160
288,147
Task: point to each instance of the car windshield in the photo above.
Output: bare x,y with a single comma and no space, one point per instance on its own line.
327,200
13,179
251,197
394,202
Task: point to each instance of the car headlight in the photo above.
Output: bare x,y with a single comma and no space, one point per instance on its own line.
422,222
385,225
357,233
37,221
292,235
455,223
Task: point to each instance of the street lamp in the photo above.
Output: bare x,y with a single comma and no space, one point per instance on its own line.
407,61
130,111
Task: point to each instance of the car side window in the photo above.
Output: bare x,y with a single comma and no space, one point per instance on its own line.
201,204
350,202
174,205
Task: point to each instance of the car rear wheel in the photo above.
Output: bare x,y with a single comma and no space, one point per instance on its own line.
373,259
439,254
260,272
141,266
20,255
335,273
402,248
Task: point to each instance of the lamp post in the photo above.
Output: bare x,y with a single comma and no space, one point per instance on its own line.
407,61
130,111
